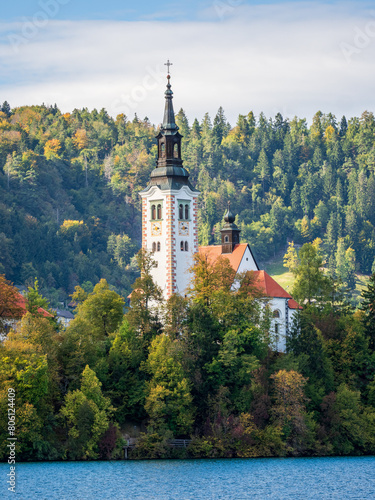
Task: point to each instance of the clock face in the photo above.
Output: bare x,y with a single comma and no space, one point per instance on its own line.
155,228
183,228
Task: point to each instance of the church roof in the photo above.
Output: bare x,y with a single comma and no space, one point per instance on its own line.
264,281
235,258
273,289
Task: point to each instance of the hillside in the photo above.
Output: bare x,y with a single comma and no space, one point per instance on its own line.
69,183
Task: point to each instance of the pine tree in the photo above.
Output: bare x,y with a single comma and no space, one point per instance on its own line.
368,306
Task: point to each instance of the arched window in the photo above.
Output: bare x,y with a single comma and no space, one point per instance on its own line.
182,246
276,314
175,151
186,212
162,150
226,239
159,211
180,211
186,246
153,212
154,247
158,246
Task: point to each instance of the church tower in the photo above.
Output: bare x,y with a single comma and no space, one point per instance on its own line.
169,209
230,234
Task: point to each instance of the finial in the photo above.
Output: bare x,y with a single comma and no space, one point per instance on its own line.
229,217
169,64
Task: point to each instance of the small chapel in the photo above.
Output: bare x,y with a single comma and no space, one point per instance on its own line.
170,229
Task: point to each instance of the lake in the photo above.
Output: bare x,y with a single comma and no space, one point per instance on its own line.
231,479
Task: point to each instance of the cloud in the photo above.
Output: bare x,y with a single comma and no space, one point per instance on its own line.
295,58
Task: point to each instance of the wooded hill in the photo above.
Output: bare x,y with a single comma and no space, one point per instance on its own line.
69,183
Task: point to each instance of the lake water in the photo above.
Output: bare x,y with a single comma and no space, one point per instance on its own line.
234,479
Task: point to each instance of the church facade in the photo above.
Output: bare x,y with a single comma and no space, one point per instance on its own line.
170,230
170,210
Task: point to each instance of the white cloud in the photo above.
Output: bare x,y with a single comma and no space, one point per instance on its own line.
287,58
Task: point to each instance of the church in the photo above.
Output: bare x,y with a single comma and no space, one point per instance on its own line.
170,230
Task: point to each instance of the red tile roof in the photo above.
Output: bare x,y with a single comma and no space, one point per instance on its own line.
273,289
292,304
22,304
214,251
265,282
269,285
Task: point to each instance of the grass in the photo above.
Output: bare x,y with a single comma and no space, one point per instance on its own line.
274,267
361,282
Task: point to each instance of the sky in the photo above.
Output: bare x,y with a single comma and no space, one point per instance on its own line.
292,57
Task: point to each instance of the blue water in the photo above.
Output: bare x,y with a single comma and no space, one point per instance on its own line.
235,479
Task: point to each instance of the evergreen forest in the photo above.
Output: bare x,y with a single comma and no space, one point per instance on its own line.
69,183
201,367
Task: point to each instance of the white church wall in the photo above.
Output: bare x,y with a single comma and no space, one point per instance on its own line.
149,235
247,262
186,233
170,231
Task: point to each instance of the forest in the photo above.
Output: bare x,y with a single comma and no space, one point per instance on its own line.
201,367
69,183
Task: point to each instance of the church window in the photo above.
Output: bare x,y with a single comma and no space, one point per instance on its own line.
154,247
186,212
276,314
159,211
180,211
153,212
186,246
175,151
162,148
226,239
158,246
182,246
276,328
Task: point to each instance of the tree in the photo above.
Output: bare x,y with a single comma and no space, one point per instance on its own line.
311,284
368,306
146,297
52,149
210,278
124,380
221,126
262,168
343,422
168,400
86,339
10,308
121,247
289,408
24,368
35,300
102,310
86,413
291,258
42,334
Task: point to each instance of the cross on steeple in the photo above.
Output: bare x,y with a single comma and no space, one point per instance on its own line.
168,64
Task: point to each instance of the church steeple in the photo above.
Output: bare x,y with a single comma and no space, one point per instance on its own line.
230,234
169,120
169,138
170,209
169,170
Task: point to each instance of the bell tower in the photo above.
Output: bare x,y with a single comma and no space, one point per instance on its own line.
230,234
169,209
